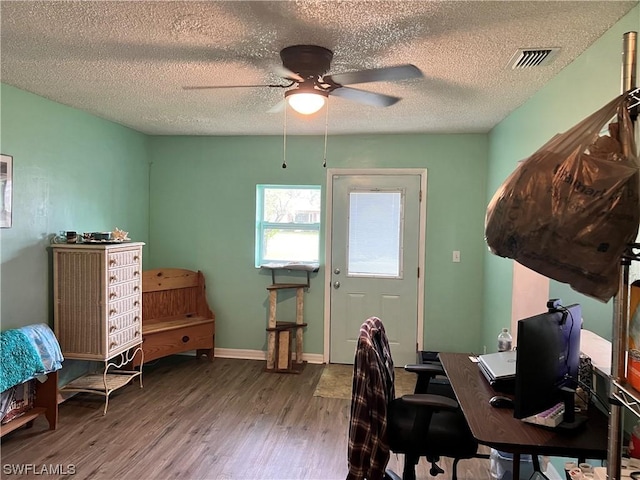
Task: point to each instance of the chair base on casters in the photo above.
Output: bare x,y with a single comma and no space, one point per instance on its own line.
409,472
391,475
435,470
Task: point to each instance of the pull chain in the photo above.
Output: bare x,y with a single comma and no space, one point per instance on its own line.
284,147
326,128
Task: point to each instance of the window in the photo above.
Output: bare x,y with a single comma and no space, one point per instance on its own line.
287,224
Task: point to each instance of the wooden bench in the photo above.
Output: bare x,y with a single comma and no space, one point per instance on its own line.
175,314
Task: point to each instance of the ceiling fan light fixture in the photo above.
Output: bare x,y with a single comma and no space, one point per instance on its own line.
306,102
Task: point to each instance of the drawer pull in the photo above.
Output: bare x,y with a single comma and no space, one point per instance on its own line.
136,258
112,328
136,319
137,334
136,288
113,278
136,273
185,339
112,262
113,311
113,295
113,344
136,303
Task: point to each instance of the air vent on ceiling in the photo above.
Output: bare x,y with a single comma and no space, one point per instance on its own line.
532,57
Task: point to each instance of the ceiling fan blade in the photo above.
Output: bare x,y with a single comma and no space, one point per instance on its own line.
278,107
362,96
283,72
385,74
206,87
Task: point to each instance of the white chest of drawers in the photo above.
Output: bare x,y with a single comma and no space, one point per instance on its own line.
97,299
97,290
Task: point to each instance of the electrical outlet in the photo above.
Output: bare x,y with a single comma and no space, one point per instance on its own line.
456,256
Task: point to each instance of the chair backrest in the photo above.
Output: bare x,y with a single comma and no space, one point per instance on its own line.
373,389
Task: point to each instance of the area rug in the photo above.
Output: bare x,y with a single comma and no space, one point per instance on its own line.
336,380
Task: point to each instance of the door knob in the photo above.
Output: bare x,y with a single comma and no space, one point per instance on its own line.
337,271
336,284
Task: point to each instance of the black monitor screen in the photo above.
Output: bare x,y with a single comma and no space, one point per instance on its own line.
547,359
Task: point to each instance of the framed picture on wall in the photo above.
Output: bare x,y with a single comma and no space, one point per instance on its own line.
6,189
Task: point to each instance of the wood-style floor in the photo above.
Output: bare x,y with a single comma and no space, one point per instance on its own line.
194,419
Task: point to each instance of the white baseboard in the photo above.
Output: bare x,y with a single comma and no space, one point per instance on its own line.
244,354
240,353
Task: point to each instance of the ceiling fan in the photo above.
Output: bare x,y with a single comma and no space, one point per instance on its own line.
305,67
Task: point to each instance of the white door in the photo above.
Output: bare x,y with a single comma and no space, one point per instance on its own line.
376,235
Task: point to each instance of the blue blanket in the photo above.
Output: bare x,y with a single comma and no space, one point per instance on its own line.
26,353
19,361
46,344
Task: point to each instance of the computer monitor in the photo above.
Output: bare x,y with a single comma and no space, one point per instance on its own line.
547,362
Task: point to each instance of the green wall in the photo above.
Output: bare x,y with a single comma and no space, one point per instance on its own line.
580,89
71,171
75,171
192,199
203,217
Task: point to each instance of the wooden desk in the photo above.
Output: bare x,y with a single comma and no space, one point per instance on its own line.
497,428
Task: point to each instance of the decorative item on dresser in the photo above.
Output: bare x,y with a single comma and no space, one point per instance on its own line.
98,311
176,315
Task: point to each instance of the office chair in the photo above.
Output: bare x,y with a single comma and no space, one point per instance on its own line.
418,425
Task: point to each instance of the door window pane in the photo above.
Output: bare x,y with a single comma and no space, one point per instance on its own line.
375,226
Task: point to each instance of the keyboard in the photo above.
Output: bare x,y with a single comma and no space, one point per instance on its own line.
549,418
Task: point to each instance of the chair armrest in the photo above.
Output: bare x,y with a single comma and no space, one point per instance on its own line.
434,401
425,368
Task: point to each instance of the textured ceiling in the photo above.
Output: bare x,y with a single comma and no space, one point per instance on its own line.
128,61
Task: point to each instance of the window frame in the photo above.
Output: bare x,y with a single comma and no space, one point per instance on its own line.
262,226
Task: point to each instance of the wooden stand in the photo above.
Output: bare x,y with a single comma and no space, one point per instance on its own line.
45,403
280,334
